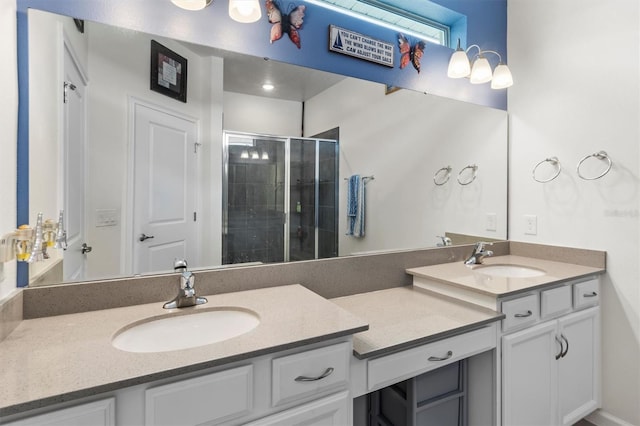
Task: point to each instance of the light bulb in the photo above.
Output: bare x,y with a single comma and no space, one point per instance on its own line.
244,154
255,155
502,77
192,4
244,11
481,71
268,87
265,155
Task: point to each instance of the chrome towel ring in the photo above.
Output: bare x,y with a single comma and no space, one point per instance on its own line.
442,176
600,155
555,162
473,176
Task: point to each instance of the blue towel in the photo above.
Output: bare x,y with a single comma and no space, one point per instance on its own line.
355,206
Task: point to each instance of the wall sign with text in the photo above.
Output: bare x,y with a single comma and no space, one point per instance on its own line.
360,46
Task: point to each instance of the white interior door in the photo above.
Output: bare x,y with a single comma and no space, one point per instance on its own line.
165,188
74,261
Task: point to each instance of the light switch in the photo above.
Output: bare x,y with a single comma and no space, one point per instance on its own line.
106,217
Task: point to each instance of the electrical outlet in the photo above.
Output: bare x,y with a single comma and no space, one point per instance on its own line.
530,224
491,222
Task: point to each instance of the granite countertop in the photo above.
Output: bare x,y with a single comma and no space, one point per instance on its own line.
404,317
471,277
55,359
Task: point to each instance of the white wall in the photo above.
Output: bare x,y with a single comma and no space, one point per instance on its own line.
8,130
266,116
119,69
576,70
47,36
403,139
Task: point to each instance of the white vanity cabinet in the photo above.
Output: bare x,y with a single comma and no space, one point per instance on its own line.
551,366
305,385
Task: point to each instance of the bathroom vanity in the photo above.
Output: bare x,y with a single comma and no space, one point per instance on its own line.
549,339
528,347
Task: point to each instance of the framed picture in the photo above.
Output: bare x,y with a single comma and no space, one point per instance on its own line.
168,72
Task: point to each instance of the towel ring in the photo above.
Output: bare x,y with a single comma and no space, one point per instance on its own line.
600,155
552,160
442,176
473,176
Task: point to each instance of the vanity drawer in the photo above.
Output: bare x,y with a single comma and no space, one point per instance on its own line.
304,374
212,398
586,293
520,312
399,366
556,301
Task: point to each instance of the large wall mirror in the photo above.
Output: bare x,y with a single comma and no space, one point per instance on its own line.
439,165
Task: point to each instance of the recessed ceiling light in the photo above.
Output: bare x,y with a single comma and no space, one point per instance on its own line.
268,87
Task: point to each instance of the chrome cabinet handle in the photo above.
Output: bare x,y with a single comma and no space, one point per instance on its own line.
326,373
145,237
528,314
85,248
437,358
592,294
559,354
567,342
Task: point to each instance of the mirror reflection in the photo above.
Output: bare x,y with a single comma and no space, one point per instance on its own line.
108,157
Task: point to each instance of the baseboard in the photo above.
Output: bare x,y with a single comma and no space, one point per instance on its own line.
603,418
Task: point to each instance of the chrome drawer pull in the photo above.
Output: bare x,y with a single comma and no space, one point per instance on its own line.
437,358
559,355
326,373
528,314
593,294
567,349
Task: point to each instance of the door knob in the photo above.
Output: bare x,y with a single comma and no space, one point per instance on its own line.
145,237
86,249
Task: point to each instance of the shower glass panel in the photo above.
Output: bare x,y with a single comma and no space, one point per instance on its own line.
255,216
302,232
280,198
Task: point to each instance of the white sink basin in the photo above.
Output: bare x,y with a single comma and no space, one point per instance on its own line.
170,333
510,271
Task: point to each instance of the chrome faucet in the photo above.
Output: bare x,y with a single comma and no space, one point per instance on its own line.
478,254
186,293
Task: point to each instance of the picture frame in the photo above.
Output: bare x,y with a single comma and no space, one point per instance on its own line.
168,72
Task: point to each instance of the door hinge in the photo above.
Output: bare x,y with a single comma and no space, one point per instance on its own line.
67,86
194,216
195,147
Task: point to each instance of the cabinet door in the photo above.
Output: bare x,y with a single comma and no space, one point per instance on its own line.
529,383
579,369
98,413
330,411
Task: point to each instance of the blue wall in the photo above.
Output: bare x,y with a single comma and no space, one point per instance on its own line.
485,21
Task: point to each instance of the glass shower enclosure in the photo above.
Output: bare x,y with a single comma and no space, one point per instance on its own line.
280,198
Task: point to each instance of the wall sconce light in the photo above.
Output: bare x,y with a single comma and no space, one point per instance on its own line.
244,11
192,4
244,154
480,71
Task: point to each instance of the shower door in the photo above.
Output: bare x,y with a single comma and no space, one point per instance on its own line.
279,198
254,199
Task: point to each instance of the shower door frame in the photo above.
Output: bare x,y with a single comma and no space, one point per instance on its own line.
287,184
